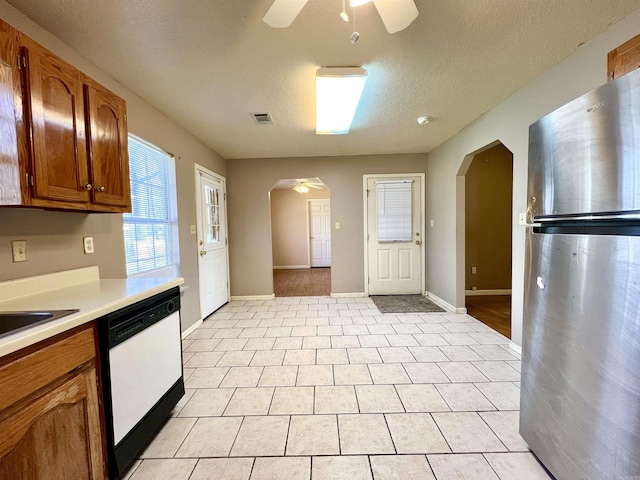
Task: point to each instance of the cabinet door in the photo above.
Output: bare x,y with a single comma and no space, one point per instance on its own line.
624,59
55,435
108,155
59,156
10,193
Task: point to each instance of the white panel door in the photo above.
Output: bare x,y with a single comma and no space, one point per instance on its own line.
394,238
212,243
320,233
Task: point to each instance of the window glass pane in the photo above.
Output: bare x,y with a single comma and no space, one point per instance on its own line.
394,211
212,196
149,230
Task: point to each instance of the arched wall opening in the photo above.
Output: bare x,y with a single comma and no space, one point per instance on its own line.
301,237
484,224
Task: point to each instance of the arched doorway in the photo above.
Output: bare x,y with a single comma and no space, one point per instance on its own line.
488,193
301,237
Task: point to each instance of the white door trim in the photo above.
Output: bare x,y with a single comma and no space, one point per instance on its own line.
197,169
365,203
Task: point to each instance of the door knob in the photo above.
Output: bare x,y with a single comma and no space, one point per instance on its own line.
418,242
203,253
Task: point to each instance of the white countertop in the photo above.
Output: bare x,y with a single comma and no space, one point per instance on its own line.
76,289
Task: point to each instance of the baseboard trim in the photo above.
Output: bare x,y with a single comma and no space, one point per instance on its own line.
515,348
252,297
189,330
444,304
348,295
290,267
473,293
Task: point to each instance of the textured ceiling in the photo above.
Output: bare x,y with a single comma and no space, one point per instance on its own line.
208,64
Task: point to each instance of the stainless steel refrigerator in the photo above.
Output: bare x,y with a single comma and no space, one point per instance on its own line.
580,396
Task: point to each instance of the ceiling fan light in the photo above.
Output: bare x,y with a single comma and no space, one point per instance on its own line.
357,3
338,92
301,188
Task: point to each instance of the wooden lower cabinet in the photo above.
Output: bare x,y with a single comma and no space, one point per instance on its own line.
54,432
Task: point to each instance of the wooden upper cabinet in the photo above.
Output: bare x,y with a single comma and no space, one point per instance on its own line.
624,59
63,137
59,152
10,185
108,151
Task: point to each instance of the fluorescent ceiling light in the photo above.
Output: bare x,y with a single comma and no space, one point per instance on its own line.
357,3
338,91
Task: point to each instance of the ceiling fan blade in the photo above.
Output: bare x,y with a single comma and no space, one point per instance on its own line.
396,14
282,13
313,185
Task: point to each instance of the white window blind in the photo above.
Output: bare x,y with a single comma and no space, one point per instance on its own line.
150,230
394,211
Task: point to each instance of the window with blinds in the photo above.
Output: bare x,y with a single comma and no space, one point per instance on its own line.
150,230
394,211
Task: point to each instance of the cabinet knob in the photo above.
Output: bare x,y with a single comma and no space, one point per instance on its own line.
88,186
101,189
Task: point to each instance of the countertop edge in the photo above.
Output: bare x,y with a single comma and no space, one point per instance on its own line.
30,336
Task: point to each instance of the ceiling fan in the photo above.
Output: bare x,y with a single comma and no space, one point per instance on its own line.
303,185
395,14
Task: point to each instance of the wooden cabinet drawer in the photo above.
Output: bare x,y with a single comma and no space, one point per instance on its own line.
23,376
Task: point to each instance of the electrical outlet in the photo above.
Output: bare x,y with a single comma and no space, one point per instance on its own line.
19,248
88,244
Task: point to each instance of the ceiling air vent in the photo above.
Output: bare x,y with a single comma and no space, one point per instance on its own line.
263,118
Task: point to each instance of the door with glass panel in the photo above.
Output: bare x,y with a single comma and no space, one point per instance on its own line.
212,242
394,219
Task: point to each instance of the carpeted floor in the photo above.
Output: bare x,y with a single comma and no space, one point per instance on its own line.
404,304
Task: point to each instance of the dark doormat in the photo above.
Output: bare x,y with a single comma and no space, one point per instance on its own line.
404,304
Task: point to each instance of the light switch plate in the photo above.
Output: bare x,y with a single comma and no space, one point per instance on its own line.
193,229
88,244
337,225
19,248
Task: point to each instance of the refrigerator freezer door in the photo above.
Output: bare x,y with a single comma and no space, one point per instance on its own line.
580,403
584,158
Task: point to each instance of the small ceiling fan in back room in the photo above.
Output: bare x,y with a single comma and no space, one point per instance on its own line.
395,14
303,185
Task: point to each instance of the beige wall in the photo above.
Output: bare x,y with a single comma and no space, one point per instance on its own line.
249,182
488,185
289,230
54,239
509,122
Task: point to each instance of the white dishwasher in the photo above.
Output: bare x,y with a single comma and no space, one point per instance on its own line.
141,357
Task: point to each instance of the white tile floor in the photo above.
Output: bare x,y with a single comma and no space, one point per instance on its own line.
322,388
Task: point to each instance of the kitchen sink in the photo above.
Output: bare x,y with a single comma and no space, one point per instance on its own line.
13,321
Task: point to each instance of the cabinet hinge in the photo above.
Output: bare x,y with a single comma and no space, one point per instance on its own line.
29,180
22,61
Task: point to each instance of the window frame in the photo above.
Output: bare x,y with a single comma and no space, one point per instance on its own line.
170,267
